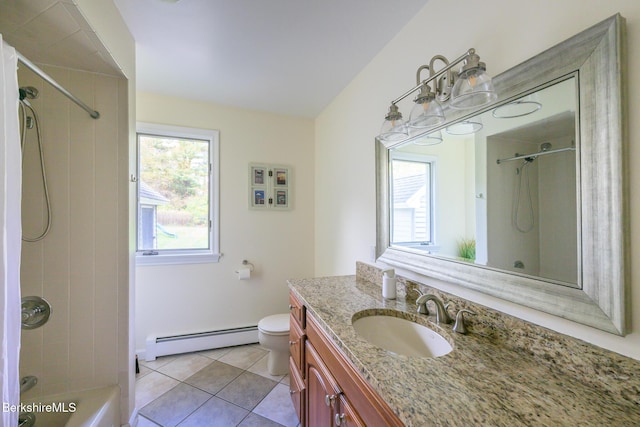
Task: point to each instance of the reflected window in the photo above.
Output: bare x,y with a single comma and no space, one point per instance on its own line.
412,199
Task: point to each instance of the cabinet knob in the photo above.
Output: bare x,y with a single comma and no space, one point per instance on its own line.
328,400
293,342
292,392
290,307
338,419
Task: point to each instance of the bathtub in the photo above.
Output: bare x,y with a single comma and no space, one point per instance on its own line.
99,407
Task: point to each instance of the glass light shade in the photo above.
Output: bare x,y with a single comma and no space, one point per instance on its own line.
431,139
516,109
426,115
472,89
393,131
465,127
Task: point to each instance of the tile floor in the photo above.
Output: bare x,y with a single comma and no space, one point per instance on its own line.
223,387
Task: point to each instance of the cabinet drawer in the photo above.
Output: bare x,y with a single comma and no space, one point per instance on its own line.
297,389
297,310
296,343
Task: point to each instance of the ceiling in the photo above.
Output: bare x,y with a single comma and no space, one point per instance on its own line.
54,32
283,56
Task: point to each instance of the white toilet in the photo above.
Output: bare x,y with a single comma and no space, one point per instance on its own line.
273,334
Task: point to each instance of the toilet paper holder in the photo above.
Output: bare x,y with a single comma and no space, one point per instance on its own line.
246,263
242,272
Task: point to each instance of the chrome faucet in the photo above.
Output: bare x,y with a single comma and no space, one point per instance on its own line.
441,312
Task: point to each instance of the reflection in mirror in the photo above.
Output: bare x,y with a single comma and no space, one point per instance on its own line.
497,190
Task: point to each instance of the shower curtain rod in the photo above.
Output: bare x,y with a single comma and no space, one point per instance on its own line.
540,153
30,65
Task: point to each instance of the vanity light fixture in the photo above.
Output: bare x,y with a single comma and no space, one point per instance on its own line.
471,88
465,127
394,129
516,109
432,138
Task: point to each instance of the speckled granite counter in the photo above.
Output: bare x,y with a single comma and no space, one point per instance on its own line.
506,372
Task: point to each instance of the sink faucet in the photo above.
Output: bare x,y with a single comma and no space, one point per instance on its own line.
441,312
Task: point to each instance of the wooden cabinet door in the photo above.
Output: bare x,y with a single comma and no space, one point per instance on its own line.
346,416
297,389
322,391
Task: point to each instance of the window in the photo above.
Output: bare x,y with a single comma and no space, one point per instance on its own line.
412,200
177,195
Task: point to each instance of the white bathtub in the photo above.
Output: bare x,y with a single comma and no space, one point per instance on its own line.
99,407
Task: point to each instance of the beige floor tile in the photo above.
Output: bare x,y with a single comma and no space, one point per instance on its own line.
185,365
143,422
155,364
152,386
143,371
261,368
277,406
243,357
216,353
285,381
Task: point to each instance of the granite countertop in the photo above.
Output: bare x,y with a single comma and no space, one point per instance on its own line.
481,382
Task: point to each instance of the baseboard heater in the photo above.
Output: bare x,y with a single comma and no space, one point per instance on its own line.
186,343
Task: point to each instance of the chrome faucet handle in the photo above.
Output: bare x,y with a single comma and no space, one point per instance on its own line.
421,303
460,326
422,306
442,315
441,312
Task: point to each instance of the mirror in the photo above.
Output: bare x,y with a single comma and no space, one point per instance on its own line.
502,196
529,207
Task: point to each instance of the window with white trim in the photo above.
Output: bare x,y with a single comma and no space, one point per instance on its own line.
177,197
412,200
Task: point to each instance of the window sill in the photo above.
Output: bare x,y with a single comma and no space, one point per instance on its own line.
165,259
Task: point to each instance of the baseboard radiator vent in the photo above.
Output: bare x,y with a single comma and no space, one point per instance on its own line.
176,344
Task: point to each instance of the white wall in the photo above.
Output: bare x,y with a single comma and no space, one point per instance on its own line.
105,19
504,34
202,297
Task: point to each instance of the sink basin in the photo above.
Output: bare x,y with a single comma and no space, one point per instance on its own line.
401,336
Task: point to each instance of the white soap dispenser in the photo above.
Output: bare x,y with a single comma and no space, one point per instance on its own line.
389,284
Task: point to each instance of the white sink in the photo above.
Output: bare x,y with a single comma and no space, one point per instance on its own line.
401,336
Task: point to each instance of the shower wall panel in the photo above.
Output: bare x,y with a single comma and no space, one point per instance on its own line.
81,266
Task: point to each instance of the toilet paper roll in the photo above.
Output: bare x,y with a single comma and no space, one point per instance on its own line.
244,273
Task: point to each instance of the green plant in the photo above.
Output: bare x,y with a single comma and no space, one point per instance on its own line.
467,249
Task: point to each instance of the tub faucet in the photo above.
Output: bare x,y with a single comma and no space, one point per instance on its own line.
441,312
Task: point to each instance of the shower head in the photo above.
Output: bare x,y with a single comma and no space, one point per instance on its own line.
545,146
28,92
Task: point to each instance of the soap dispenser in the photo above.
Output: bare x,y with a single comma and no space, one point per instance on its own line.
389,284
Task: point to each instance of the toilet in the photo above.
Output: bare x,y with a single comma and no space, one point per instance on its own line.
273,334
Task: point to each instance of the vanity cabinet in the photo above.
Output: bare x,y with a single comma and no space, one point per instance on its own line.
326,403
333,393
297,387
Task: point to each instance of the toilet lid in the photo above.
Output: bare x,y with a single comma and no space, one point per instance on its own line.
275,324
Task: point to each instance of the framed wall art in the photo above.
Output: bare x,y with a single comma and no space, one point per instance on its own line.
269,187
